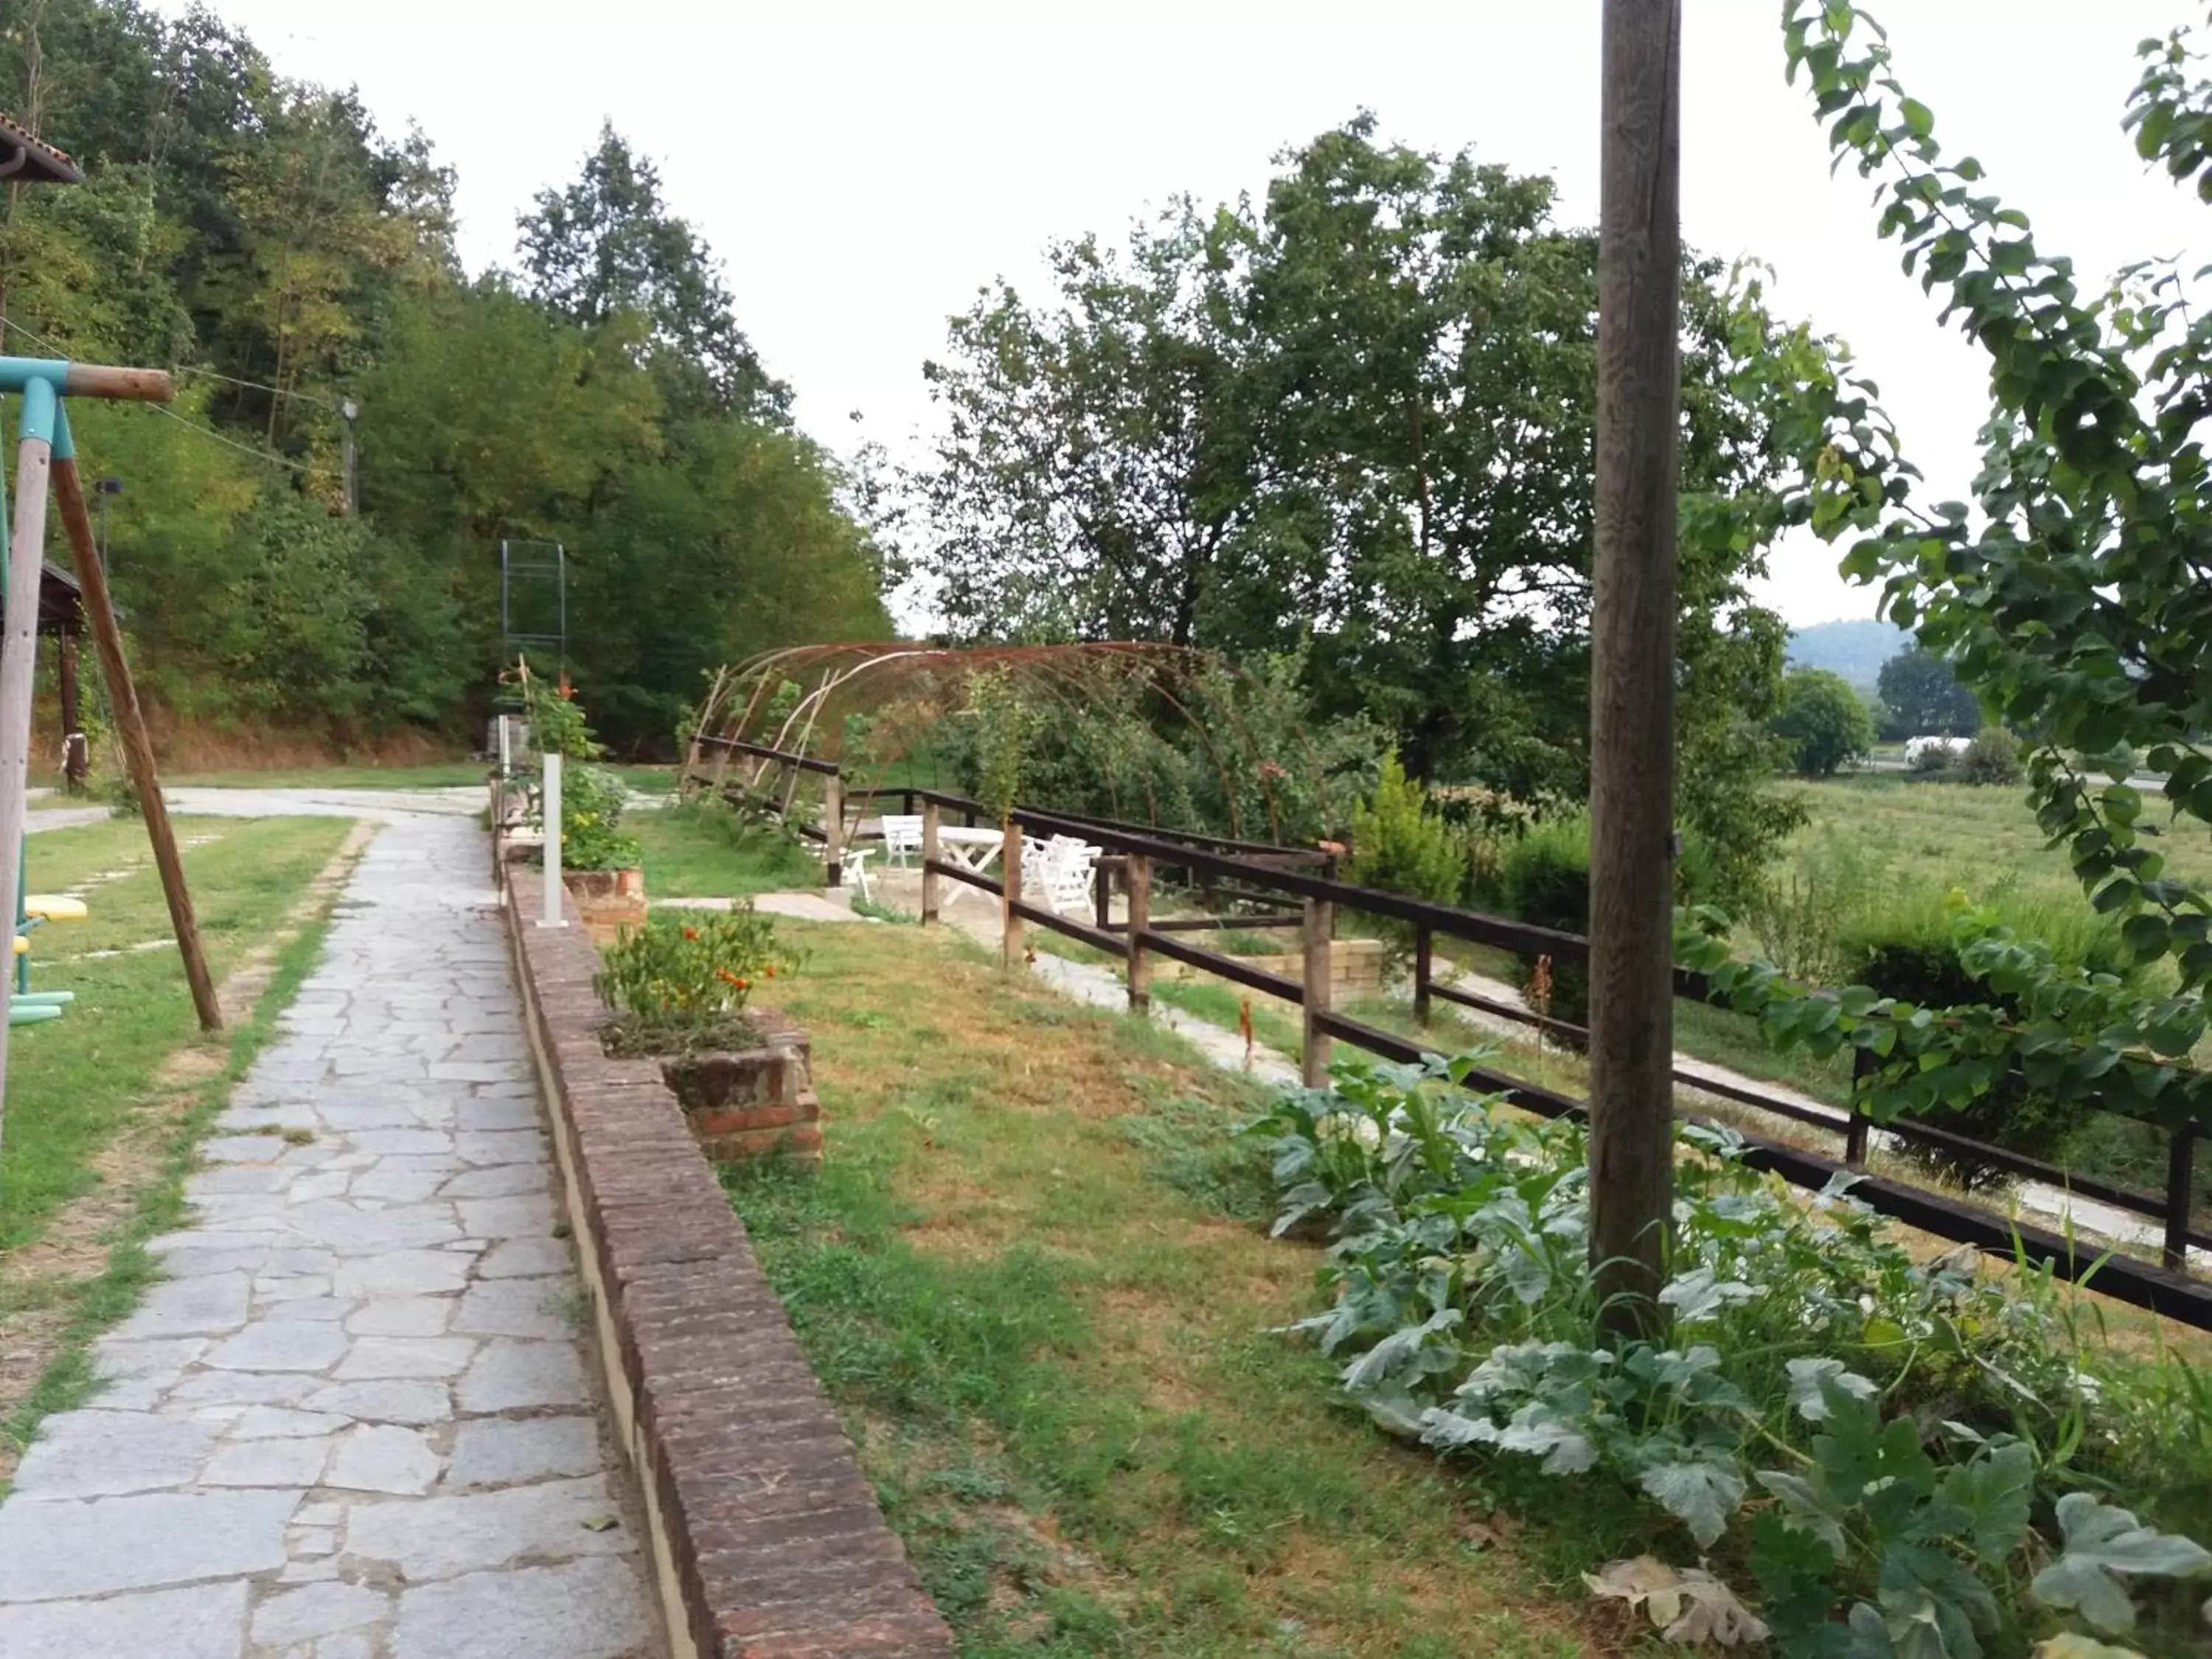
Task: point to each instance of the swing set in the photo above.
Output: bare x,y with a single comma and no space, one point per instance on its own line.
45,465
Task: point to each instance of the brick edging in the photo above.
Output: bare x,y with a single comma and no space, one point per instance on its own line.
765,1536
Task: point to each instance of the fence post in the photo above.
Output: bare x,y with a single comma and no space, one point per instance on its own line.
550,799
1425,945
1102,893
906,802
1137,876
931,881
1321,923
1010,893
1855,1130
833,830
2180,1168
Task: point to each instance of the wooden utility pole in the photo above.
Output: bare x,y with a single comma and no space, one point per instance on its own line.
137,744
1632,661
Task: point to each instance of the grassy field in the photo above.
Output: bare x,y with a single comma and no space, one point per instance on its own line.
1034,1276
72,1081
434,774
1983,839
701,851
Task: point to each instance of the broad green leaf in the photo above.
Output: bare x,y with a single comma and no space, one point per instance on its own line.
1701,1494
1811,1381
1994,1489
2101,1542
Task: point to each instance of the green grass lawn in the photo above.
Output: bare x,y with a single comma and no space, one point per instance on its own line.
1034,1275
71,1082
433,774
701,850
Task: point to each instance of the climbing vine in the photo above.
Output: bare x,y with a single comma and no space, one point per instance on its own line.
2074,595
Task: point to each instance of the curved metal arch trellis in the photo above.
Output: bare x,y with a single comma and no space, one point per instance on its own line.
907,689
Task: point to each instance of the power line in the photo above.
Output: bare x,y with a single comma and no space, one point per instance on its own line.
270,455
256,386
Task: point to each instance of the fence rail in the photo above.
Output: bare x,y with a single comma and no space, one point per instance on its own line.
1142,853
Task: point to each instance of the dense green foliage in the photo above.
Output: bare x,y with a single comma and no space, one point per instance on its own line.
1903,1458
262,237
1356,419
1923,698
1824,721
1905,949
2075,605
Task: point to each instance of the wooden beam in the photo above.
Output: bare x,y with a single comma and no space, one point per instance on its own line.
137,744
1632,661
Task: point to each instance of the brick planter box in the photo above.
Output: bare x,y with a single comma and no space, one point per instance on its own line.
763,1536
754,1102
608,900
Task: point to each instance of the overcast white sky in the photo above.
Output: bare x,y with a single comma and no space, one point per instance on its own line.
863,168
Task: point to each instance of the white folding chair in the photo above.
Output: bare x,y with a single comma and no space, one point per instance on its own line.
901,836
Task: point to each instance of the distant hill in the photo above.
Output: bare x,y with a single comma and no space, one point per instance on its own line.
1854,649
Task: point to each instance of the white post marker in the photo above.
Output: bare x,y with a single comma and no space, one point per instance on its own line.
551,799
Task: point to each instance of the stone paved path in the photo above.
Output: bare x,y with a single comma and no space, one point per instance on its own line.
355,1422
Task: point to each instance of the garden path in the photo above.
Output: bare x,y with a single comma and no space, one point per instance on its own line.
355,1422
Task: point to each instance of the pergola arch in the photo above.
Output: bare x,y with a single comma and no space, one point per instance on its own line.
925,684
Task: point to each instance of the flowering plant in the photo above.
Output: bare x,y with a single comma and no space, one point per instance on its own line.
670,975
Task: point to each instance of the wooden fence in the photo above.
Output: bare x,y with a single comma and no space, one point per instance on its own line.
1254,873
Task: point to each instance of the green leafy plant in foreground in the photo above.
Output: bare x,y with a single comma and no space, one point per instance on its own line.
1909,1458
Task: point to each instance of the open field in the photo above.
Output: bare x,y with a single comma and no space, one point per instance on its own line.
1983,839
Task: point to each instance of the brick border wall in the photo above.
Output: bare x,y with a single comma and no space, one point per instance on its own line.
764,1535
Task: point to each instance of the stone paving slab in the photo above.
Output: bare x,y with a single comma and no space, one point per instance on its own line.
354,1422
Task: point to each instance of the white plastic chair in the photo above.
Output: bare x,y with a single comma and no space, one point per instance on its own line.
1061,868
901,836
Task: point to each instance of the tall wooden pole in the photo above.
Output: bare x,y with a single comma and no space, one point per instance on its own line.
137,745
1632,661
19,657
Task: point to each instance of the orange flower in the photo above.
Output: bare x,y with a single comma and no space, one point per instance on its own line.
728,978
771,970
745,985
691,933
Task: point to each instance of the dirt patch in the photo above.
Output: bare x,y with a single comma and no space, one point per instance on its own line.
74,1247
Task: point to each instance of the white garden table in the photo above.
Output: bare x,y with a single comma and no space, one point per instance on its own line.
972,849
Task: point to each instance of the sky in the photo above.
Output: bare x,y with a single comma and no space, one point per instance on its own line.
864,169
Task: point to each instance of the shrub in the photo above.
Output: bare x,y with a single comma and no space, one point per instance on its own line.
1993,757
1402,844
1801,918
1933,757
683,984
1543,879
592,838
1905,949
1825,719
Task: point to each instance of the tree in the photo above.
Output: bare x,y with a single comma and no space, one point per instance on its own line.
1825,719
1924,697
261,236
607,244
1355,420
2077,604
